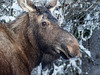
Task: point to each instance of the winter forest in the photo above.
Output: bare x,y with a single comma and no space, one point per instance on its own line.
79,17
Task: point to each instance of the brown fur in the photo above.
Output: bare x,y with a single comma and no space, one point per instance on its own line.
15,49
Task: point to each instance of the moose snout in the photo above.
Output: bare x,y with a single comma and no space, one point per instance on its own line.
68,46
69,51
73,50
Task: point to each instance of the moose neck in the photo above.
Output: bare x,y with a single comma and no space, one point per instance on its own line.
24,35
31,50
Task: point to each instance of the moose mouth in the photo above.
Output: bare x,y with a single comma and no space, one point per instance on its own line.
63,52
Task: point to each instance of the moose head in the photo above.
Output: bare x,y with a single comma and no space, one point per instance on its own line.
45,33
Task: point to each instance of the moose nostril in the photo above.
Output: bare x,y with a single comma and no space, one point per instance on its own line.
70,55
68,51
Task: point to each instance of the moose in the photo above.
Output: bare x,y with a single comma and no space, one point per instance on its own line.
34,37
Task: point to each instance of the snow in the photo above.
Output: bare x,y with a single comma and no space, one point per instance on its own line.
88,17
58,69
37,70
59,13
45,72
88,53
4,6
74,64
15,6
7,18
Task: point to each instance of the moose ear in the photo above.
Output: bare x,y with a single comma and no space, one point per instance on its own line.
51,4
27,5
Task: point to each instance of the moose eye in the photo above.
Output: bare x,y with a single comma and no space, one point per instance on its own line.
44,23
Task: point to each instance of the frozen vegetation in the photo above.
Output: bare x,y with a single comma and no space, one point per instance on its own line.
80,17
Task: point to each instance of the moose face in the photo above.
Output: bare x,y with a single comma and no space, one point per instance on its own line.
50,38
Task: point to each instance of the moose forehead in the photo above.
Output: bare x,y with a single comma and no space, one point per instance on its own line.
43,11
